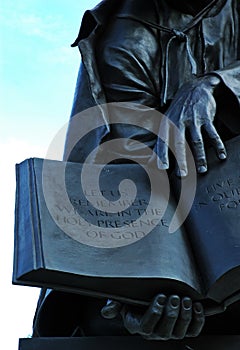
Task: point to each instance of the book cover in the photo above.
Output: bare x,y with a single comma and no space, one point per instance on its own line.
114,241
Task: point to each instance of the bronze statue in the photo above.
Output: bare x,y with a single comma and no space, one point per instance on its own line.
181,58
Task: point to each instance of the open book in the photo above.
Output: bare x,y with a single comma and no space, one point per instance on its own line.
100,238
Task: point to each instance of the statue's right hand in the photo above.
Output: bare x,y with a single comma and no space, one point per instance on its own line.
192,111
166,318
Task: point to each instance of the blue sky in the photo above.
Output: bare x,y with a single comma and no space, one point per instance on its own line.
38,67
38,71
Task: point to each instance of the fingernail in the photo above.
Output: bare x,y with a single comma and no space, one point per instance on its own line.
107,313
187,303
222,156
202,169
111,310
164,166
175,300
197,308
161,299
182,173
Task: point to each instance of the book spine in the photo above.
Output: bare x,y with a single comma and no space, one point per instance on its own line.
36,223
26,232
16,228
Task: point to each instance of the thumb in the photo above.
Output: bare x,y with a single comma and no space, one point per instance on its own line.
111,309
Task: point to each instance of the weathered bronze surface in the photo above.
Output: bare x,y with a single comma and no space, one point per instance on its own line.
182,59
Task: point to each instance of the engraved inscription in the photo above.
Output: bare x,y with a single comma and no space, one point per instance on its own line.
225,194
104,221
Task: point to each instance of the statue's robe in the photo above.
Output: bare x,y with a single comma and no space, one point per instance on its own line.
212,47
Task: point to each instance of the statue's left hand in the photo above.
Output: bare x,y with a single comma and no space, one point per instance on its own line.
193,109
166,318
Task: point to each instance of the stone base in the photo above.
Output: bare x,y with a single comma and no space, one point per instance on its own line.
130,343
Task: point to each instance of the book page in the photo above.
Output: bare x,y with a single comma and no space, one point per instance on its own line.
142,257
213,224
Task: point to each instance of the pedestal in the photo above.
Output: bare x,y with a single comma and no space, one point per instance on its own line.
130,343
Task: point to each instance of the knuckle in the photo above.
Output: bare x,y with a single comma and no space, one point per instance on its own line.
221,149
172,314
201,160
156,310
198,143
215,137
180,143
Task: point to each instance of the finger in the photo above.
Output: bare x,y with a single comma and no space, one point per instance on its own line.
184,319
180,152
153,315
197,322
216,141
111,310
131,321
198,149
164,329
162,144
